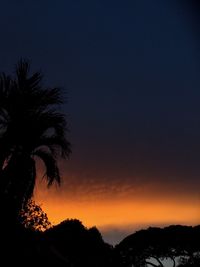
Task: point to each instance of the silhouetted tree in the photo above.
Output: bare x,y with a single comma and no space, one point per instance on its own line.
81,246
31,127
158,244
33,217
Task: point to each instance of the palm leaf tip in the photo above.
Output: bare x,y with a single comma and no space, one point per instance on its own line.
22,68
52,171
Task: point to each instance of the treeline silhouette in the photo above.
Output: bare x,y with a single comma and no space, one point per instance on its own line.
33,127
179,244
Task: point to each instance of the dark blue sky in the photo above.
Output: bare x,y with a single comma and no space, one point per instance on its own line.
131,70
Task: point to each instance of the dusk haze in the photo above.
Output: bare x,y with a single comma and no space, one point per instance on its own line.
121,148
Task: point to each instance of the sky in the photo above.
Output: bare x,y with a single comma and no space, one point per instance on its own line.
130,73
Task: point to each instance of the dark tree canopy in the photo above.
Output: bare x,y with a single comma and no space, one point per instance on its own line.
81,246
160,243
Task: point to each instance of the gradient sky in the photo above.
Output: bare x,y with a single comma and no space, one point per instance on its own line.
131,70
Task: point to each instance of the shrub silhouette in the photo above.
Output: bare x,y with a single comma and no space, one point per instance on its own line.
81,246
33,217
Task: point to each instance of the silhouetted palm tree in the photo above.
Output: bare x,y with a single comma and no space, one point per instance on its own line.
30,127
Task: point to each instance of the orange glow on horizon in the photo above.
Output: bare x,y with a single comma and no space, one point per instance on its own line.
121,213
120,206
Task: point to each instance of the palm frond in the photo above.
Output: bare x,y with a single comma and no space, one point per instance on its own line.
52,172
51,120
50,96
41,97
22,69
56,144
5,84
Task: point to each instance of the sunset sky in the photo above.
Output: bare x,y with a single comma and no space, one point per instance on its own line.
131,73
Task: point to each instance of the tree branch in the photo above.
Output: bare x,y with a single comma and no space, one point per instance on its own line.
150,263
160,263
174,263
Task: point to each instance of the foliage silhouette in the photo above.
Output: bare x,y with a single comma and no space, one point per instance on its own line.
33,217
81,246
157,243
31,127
192,261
